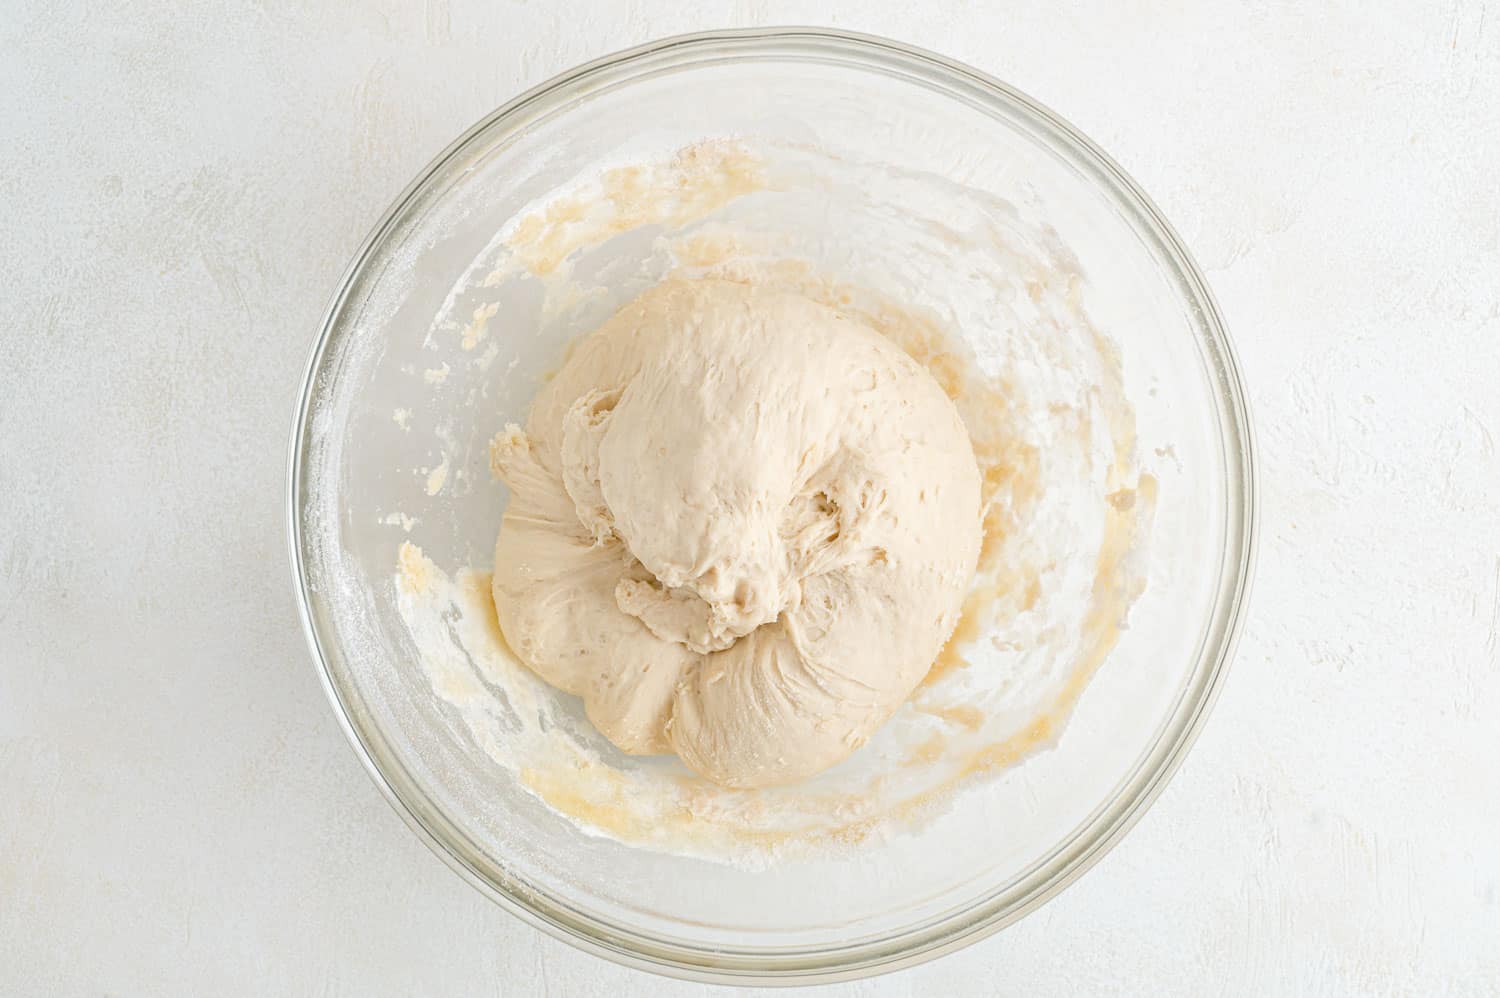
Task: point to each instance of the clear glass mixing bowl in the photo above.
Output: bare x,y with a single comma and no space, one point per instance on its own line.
1001,848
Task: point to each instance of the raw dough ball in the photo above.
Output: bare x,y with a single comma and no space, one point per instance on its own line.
741,526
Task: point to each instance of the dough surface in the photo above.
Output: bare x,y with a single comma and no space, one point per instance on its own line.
741,527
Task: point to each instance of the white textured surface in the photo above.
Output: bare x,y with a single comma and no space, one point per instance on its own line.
181,186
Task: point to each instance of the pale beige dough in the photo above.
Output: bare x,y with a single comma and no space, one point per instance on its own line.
741,526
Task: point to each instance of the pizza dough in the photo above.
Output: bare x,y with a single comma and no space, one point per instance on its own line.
741,527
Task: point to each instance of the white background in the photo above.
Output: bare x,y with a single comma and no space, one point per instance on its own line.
180,187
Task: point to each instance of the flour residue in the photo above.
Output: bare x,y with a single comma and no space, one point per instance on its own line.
437,477
992,304
479,325
692,184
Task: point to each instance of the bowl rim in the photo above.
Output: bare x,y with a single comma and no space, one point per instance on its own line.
1109,822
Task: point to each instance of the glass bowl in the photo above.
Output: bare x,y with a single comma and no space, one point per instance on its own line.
377,463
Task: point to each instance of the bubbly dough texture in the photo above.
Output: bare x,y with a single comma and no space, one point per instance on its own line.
741,527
